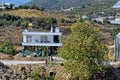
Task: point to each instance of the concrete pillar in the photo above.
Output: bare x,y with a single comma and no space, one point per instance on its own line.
51,39
51,28
24,39
60,39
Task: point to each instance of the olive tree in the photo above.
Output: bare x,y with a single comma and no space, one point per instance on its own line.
83,51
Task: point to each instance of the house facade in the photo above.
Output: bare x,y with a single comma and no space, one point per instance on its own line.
33,40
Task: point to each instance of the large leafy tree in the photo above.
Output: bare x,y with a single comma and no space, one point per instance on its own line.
83,51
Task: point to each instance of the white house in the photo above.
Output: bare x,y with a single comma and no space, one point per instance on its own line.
34,39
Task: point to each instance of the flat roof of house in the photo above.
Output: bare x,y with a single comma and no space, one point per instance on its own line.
42,44
41,33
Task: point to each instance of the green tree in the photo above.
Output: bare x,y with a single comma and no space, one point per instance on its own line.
41,8
50,20
34,76
62,20
83,51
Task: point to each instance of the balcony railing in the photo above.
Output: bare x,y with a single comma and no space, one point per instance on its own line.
41,44
45,41
37,41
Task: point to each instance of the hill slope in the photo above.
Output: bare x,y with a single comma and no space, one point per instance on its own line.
57,4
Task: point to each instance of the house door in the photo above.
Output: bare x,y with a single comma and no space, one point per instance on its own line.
56,39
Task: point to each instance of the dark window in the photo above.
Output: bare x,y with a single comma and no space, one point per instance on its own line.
56,39
53,28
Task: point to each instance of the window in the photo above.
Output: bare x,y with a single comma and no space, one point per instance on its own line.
29,38
53,28
56,39
44,39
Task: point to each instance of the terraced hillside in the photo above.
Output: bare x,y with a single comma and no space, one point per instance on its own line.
14,33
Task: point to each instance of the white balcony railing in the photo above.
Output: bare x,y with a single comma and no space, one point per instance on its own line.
41,44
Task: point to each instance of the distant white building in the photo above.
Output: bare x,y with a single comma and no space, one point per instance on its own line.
7,6
117,5
117,47
68,9
85,17
100,19
35,39
116,21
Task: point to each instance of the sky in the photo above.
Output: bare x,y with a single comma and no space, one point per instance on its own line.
16,2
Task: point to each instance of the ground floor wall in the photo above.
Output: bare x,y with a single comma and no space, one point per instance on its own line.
40,50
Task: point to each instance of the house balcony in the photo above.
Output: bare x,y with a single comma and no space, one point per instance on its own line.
42,43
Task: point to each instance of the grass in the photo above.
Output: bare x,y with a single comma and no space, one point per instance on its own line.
36,13
25,13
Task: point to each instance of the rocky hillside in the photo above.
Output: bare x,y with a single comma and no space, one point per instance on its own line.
50,72
25,72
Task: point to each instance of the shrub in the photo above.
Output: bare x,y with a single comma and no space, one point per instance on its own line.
62,20
34,76
7,49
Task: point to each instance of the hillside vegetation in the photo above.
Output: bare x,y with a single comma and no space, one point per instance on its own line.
13,22
57,4
94,9
32,13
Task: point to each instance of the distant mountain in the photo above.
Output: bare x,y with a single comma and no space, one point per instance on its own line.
57,4
16,2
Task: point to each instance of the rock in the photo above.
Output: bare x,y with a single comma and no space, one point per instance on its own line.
21,72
